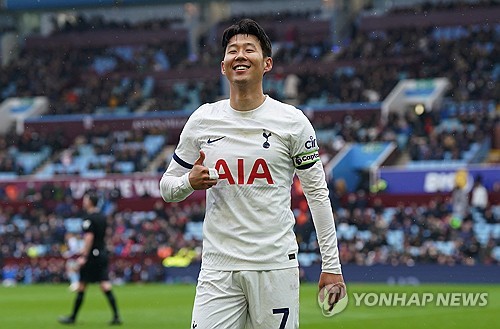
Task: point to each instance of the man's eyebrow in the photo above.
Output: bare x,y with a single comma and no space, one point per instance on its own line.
234,44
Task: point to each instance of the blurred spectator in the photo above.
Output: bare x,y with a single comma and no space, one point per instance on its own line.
479,198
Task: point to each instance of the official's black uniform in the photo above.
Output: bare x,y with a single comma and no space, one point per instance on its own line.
96,267
95,263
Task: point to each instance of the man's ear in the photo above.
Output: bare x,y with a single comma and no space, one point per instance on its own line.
222,69
268,64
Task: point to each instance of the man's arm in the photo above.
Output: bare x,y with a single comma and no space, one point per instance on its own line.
179,181
316,191
88,240
174,184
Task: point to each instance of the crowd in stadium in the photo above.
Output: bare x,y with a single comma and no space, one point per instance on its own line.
118,78
368,234
43,232
432,6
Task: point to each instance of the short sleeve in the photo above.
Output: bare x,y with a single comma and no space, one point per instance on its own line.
87,225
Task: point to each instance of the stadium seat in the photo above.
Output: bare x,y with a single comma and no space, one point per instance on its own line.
395,239
364,235
194,230
496,253
445,247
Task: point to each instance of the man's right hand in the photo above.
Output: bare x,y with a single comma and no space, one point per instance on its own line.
199,177
81,260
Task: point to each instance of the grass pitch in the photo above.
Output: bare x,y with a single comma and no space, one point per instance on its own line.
164,306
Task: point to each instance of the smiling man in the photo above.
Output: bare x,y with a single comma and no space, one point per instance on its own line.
245,151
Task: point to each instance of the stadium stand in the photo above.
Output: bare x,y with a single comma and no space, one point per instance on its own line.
101,69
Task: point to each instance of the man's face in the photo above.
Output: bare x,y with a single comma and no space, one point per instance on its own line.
244,60
86,202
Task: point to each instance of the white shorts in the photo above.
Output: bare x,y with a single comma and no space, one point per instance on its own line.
247,300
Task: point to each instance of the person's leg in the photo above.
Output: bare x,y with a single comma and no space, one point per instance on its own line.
273,298
72,273
82,286
106,288
100,274
219,302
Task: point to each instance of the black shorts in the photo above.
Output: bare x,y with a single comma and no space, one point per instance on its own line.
95,270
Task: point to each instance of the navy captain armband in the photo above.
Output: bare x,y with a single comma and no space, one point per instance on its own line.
306,160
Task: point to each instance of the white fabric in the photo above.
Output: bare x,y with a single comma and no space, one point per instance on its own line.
248,222
479,197
247,299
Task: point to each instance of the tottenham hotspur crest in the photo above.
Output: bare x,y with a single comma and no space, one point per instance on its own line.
266,135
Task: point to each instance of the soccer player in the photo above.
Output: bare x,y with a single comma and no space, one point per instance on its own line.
245,151
94,259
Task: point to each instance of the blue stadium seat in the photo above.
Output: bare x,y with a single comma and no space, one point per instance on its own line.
395,238
495,230
364,235
346,232
445,247
124,166
148,86
153,144
388,214
73,224
30,160
496,253
6,175
93,173
308,258
482,232
86,149
194,230
414,251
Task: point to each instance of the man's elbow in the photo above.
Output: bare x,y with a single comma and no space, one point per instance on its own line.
167,193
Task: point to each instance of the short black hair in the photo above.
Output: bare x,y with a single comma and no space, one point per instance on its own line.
93,197
250,27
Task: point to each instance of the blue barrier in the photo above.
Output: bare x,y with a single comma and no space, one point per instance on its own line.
423,273
401,275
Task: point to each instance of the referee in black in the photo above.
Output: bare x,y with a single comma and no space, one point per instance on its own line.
94,259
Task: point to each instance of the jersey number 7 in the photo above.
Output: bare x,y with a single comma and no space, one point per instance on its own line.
285,312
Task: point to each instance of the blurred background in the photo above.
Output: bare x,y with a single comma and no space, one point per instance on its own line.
403,94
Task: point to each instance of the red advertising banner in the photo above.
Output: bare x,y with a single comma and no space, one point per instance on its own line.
129,186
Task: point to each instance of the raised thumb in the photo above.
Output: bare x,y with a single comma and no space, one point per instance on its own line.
200,159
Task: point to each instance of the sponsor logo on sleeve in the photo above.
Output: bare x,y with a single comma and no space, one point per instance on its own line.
306,158
311,143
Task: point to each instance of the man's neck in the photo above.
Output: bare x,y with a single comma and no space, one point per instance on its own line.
243,99
92,210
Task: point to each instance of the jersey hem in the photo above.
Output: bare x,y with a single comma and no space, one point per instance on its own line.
253,267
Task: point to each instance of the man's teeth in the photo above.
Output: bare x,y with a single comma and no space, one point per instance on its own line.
240,67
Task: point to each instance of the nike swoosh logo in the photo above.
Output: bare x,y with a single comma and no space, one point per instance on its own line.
210,141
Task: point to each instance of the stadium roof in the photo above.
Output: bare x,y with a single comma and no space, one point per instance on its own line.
28,5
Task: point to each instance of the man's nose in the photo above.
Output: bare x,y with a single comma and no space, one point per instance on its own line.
240,54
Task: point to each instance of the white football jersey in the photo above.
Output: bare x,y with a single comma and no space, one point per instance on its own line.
248,222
